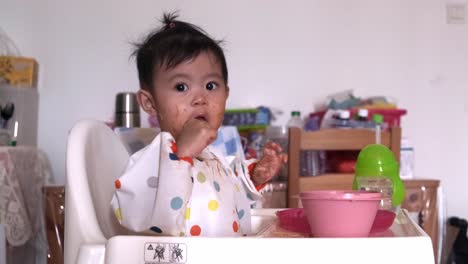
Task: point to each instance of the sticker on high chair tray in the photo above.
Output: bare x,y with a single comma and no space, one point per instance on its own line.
165,253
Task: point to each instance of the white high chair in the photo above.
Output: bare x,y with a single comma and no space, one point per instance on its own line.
96,157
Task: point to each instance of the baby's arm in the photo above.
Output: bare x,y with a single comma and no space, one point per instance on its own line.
269,165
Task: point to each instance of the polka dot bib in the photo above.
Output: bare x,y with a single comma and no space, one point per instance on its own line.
178,196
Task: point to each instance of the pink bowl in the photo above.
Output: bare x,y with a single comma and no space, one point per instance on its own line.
340,213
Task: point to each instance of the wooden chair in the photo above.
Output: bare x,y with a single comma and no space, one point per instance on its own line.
330,139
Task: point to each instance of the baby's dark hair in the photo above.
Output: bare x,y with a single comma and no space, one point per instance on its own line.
175,42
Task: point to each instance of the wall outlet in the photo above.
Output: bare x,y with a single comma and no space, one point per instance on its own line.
456,13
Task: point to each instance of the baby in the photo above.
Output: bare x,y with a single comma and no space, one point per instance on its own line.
178,185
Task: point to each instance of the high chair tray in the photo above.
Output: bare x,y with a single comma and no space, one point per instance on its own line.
404,242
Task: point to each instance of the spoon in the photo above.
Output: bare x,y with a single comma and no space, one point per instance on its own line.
7,112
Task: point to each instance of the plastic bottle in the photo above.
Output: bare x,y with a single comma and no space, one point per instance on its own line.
312,123
311,161
406,159
362,119
362,115
342,120
378,120
295,120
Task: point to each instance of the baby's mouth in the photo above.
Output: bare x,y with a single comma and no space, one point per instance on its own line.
201,118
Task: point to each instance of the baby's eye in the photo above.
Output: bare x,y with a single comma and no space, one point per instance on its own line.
181,87
211,86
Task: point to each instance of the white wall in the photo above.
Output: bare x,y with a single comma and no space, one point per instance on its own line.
288,55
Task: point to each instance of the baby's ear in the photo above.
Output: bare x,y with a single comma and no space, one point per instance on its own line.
146,101
227,91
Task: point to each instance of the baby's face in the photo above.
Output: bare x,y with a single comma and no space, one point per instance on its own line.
194,89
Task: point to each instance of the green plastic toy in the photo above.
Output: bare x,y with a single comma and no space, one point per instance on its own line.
378,160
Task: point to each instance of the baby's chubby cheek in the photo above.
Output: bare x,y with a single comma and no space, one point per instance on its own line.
220,116
218,110
171,119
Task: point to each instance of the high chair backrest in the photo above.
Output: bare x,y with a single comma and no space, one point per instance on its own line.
330,139
95,159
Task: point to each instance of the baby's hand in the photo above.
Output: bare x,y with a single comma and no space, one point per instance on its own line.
196,135
270,164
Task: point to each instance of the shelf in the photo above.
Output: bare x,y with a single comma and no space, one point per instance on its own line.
342,139
330,139
328,181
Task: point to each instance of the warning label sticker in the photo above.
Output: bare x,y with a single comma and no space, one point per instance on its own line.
165,253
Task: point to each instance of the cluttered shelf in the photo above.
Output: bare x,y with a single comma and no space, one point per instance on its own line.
334,139
347,139
330,139
301,143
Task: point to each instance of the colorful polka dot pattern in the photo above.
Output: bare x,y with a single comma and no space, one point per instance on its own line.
176,203
195,230
152,182
117,184
213,205
156,229
187,213
118,214
201,178
241,214
213,201
216,186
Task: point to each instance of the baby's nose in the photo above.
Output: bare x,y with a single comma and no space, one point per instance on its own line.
200,99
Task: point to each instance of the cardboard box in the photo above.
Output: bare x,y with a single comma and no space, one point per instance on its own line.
18,71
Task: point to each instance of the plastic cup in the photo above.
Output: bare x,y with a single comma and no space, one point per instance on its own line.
378,161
